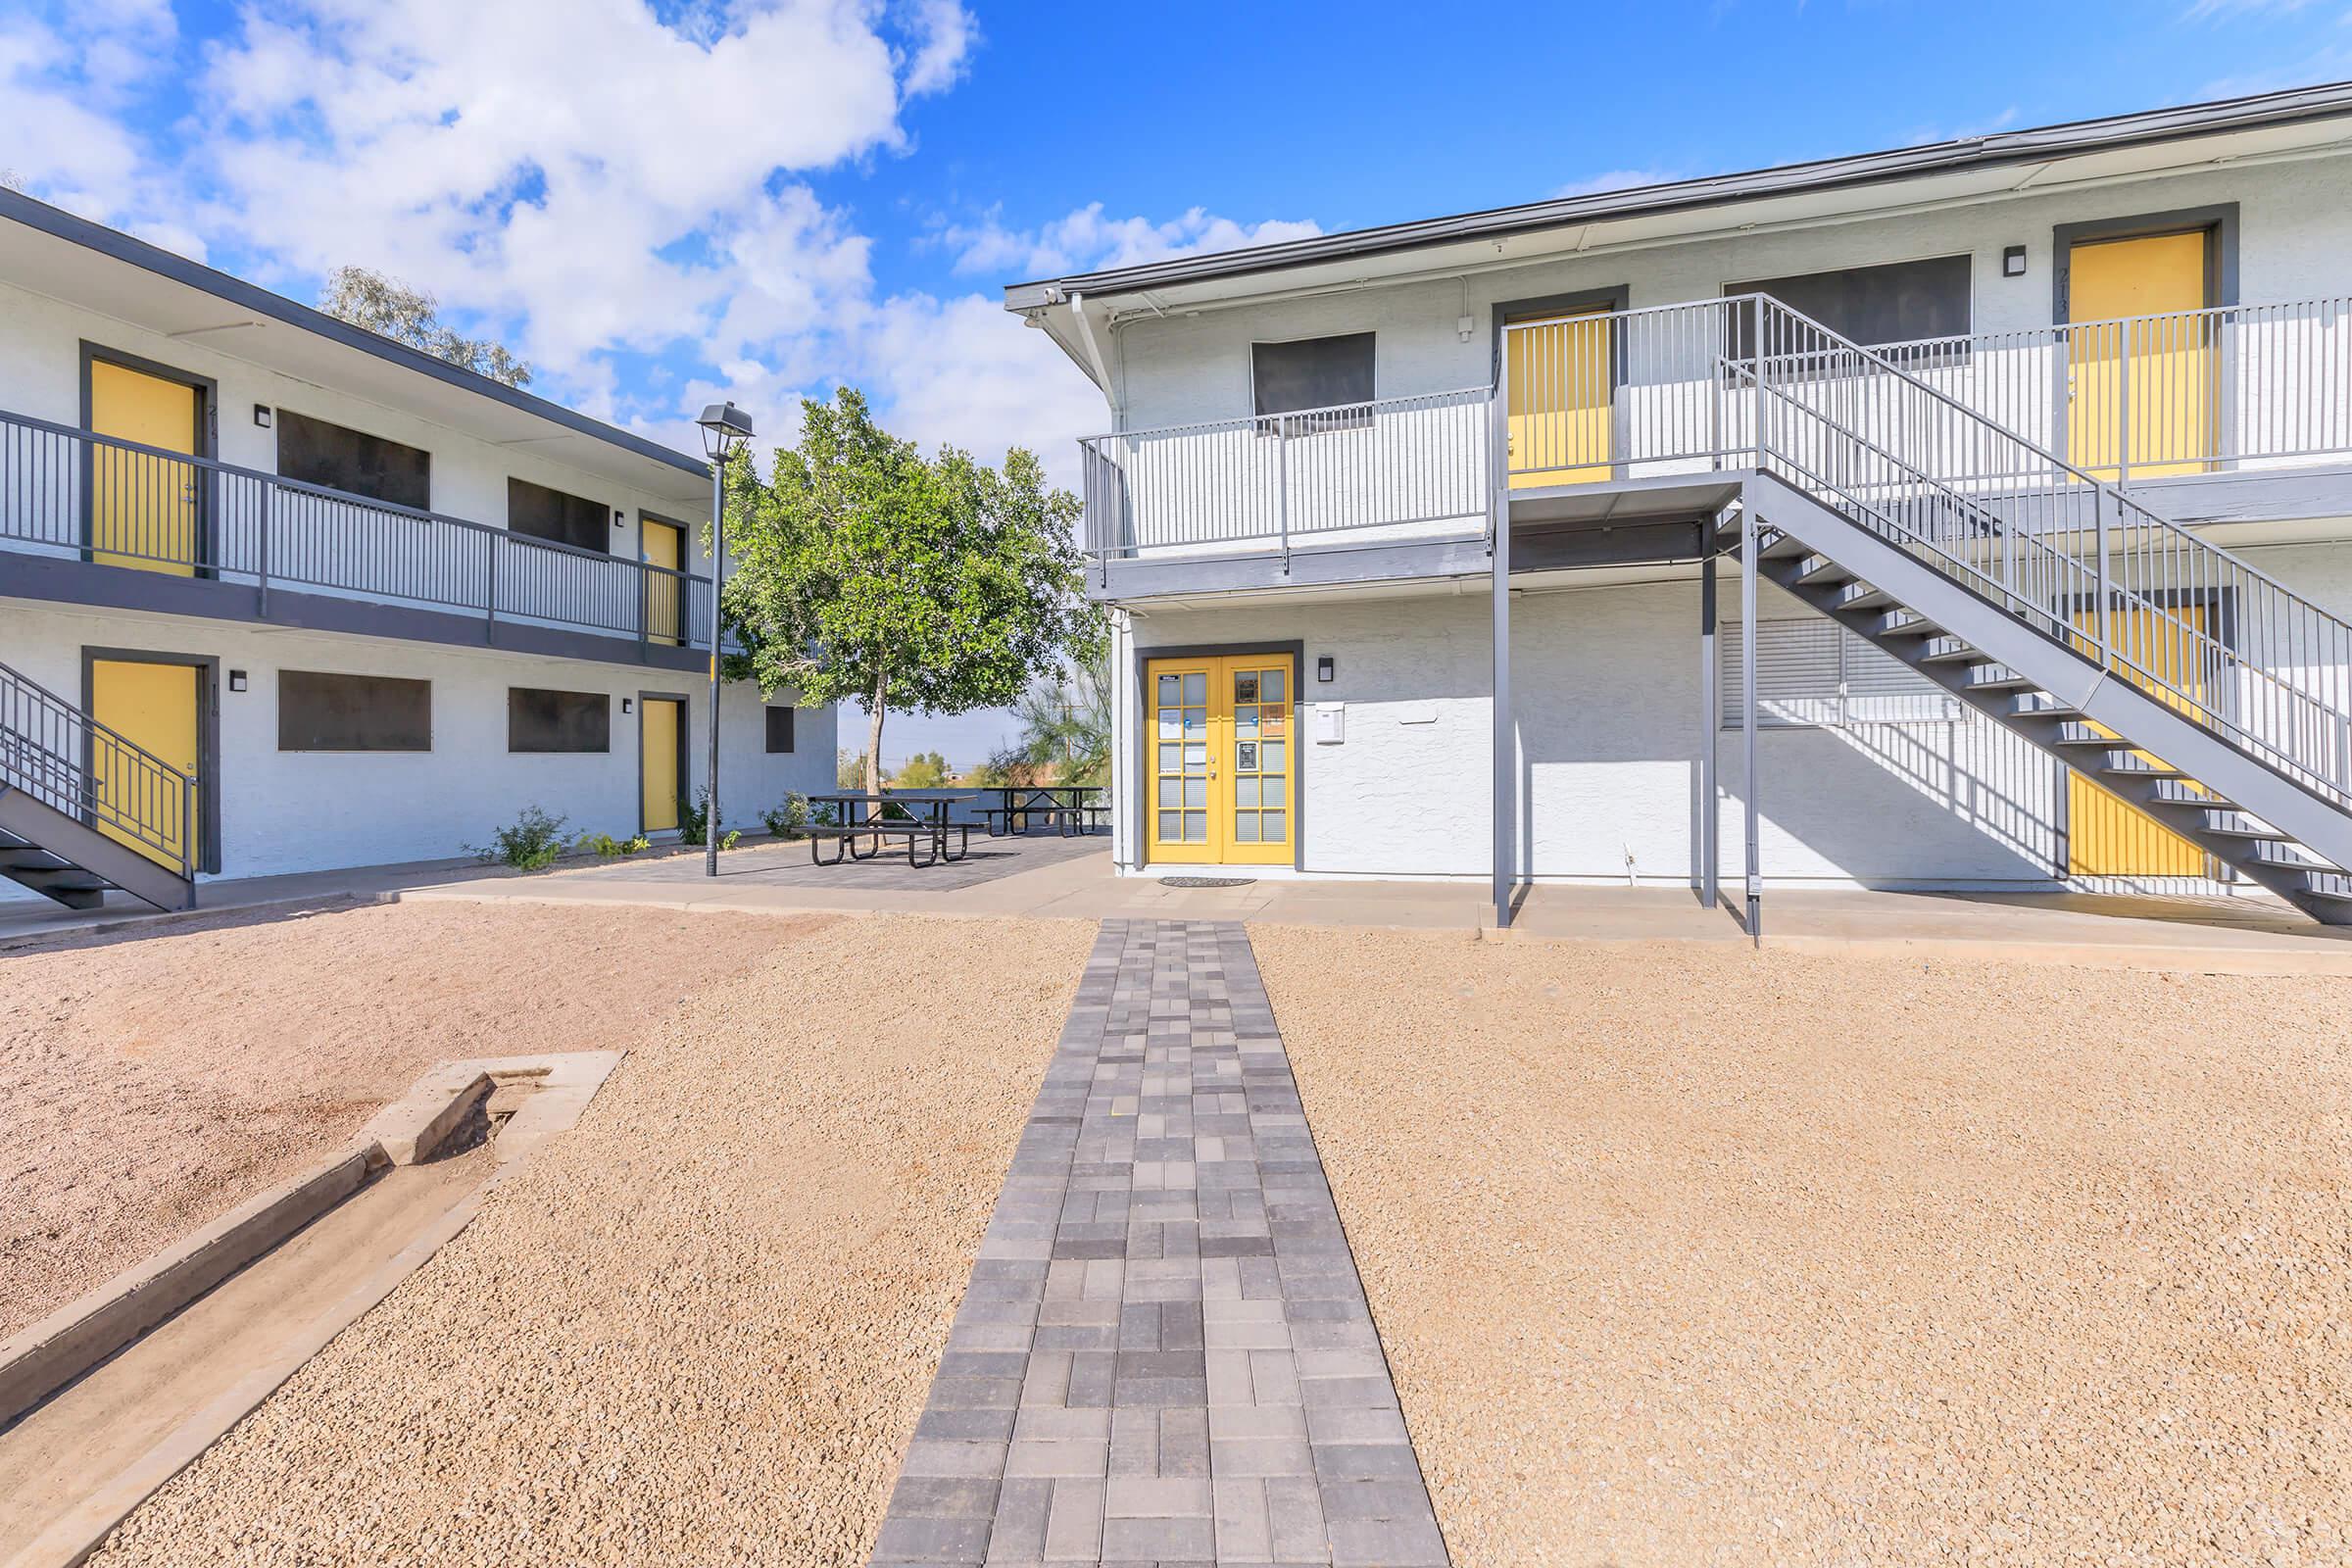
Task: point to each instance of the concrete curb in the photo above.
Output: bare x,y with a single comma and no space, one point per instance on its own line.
72,1539
43,1358
52,1354
143,922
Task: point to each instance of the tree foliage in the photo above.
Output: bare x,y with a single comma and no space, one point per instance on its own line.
405,315
924,770
865,571
1065,725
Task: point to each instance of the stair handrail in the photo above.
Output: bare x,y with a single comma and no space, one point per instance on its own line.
59,779
2322,640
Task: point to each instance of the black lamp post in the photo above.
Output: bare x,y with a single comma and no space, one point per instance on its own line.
727,429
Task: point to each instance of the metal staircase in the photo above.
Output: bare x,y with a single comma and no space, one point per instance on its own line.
83,810
2161,667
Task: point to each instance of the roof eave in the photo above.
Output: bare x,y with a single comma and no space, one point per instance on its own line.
110,242
2072,139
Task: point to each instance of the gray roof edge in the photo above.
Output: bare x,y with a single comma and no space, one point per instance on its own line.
112,242
2071,137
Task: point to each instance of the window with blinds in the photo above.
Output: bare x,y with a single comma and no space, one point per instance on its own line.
1815,675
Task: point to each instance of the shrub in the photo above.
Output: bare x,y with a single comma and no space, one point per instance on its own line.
785,821
693,824
605,846
533,841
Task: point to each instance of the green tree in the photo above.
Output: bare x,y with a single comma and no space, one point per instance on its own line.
849,772
924,770
865,571
1065,725
405,315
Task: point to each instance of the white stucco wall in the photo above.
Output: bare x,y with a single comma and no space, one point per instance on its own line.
40,375
1608,697
2295,227
309,810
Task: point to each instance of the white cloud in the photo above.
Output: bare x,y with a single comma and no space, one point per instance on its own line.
1085,239
64,74
627,203
2204,10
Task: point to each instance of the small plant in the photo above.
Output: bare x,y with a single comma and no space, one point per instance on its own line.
533,842
693,824
785,821
605,846
829,815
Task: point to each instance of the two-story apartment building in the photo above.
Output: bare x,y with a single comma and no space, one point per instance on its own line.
1974,515
278,594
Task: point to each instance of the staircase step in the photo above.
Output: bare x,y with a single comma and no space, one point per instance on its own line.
2076,732
1995,678
2038,705
2125,764
2234,824
1820,571
2288,855
1854,596
1903,622
1951,651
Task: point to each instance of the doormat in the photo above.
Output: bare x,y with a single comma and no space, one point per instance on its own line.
1207,881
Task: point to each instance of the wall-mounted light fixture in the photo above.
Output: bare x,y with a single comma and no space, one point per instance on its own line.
261,414
236,680
2013,261
629,705
1324,669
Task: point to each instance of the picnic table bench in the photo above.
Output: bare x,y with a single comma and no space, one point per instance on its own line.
861,818
1071,807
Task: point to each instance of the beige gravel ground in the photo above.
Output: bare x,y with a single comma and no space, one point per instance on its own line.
699,1327
149,1083
1684,1255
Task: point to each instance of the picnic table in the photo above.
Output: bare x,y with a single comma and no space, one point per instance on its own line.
861,815
1072,808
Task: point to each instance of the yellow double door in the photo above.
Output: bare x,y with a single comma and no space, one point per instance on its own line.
1221,749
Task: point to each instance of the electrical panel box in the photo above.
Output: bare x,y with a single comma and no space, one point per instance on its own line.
1330,724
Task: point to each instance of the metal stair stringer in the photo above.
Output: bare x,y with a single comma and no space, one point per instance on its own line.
1981,637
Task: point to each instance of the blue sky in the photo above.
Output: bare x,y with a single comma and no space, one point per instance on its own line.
659,203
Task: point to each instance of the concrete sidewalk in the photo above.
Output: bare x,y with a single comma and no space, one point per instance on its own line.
1049,877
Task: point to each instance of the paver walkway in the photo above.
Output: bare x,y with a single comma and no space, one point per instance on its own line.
1164,1355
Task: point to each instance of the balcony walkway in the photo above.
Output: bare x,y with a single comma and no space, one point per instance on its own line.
1048,877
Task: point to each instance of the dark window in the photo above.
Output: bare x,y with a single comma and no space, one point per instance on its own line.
558,721
1870,305
315,452
545,513
322,713
779,729
1315,372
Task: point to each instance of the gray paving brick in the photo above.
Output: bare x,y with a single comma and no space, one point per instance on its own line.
1164,1359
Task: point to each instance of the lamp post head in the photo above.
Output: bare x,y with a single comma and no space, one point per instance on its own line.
725,430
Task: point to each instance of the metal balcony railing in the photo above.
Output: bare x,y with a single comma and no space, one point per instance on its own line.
1363,472
70,493
1665,390
68,761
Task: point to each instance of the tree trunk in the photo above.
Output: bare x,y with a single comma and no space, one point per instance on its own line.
876,709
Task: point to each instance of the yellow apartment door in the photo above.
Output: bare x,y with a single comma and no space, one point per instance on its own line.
2144,391
2106,836
1222,751
660,724
663,545
158,707
1560,398
143,508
